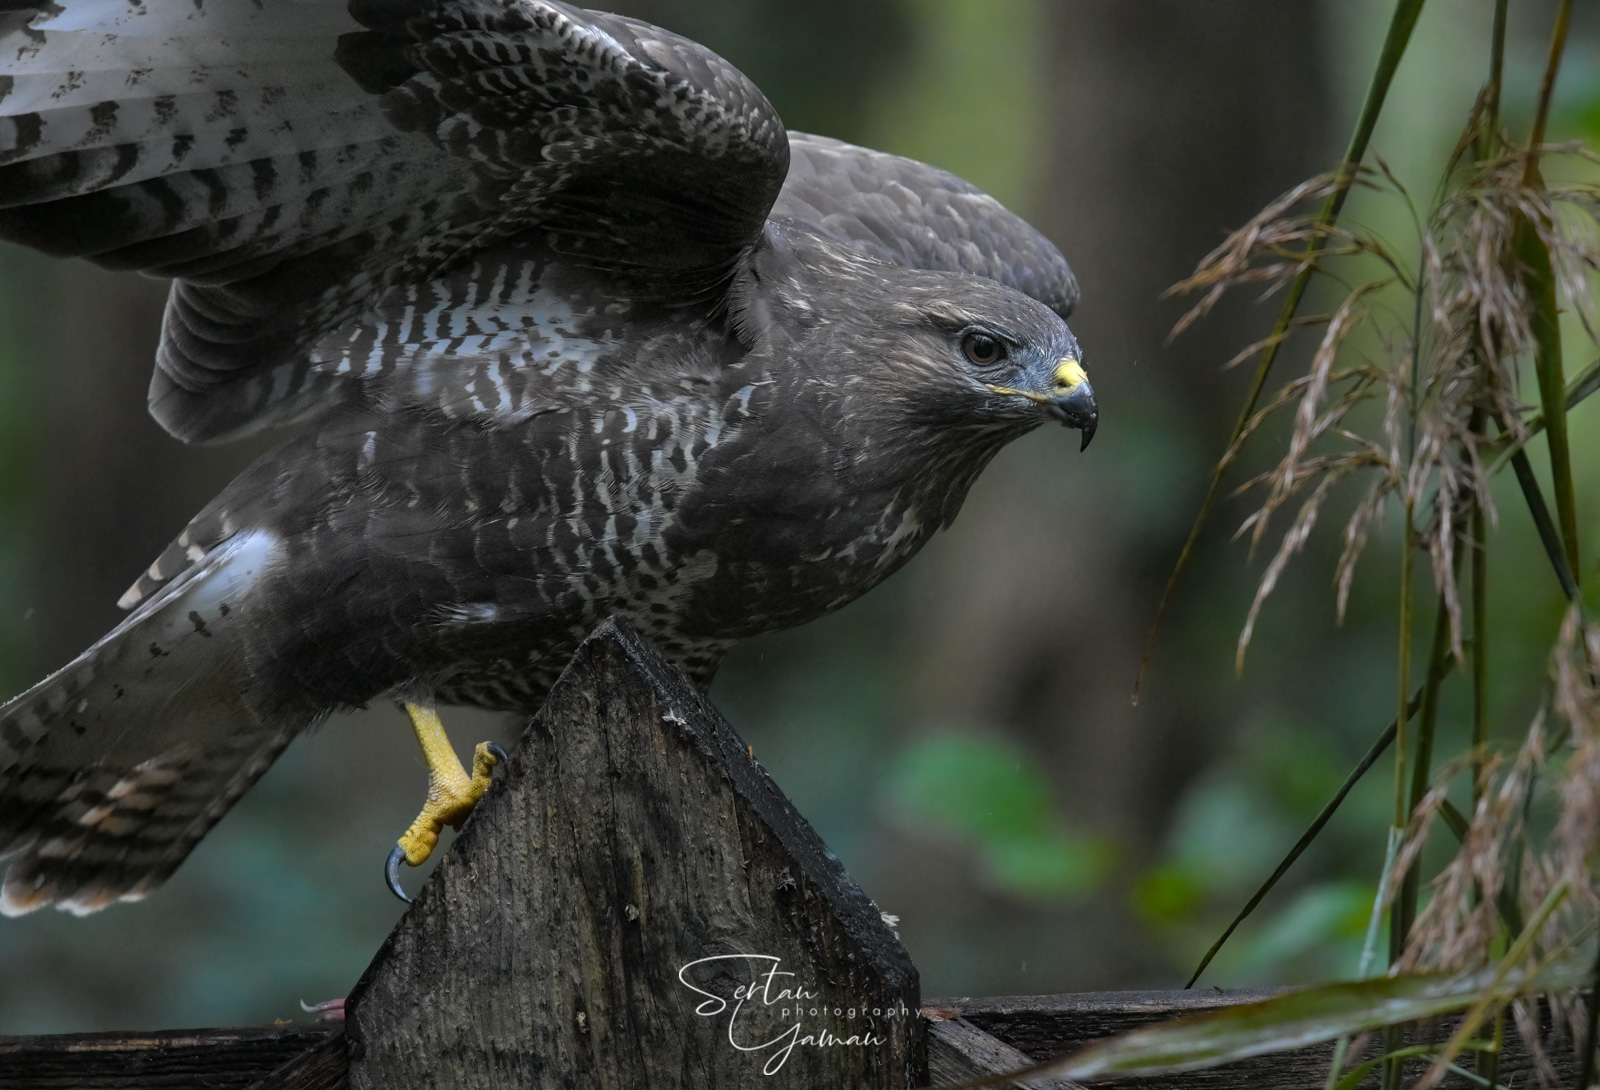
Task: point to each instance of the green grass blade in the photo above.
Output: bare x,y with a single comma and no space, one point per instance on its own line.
1490,141
1586,1079
1356,1075
1544,320
1302,1018
1399,923
1583,384
1401,24
1369,942
1480,644
1549,536
1422,768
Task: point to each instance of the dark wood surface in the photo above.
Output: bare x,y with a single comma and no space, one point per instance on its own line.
959,1051
959,1047
632,835
210,1058
325,1066
1048,1026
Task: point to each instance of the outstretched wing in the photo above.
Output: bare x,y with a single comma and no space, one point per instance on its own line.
290,161
911,214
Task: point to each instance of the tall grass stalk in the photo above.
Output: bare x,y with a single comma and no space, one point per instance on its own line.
1401,24
1375,751
1501,251
1545,318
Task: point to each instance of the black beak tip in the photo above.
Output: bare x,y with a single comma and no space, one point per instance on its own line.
1080,410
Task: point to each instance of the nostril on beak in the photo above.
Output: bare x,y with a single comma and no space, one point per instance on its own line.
1076,407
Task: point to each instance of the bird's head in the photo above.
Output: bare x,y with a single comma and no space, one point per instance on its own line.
966,352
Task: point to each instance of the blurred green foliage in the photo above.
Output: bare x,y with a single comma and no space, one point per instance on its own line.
988,794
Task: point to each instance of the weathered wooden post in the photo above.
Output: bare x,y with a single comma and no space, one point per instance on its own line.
635,904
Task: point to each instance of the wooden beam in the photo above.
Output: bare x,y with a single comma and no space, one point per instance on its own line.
325,1066
966,1038
623,910
1044,1027
223,1059
959,1051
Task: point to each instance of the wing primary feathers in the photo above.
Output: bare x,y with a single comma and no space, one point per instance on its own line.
293,162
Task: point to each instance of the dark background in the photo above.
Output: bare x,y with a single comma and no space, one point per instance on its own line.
964,736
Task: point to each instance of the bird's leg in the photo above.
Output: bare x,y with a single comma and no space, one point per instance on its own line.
452,794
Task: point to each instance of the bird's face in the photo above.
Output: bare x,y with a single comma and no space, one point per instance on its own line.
995,359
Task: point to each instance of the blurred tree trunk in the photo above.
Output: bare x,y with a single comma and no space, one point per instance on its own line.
112,488
1170,122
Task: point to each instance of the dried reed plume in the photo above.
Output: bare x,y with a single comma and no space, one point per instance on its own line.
1413,412
1443,366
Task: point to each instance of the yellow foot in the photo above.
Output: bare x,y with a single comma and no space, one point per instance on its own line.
452,794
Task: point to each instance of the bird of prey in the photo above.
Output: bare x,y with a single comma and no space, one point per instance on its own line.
561,324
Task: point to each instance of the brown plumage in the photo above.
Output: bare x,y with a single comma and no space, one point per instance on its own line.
570,326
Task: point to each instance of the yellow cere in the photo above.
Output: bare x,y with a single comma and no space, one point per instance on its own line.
1069,373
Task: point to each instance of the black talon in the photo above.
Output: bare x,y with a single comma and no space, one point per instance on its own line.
391,866
391,872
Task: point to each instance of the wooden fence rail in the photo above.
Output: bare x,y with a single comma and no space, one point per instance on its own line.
636,905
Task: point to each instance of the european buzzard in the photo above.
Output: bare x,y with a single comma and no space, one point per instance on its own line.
567,325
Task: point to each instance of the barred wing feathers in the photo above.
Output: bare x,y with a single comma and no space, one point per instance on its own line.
291,161
114,767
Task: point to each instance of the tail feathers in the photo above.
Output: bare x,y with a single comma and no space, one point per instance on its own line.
209,529
112,769
110,835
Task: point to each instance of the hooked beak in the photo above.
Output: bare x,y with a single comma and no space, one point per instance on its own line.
1074,404
1077,409
1071,400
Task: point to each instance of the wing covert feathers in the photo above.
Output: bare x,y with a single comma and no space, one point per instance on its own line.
920,217
290,161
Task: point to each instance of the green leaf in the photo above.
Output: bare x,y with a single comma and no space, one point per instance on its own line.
988,794
1357,1074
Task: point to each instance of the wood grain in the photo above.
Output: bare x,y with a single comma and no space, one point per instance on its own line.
630,836
323,1067
966,1038
1047,1026
959,1051
213,1058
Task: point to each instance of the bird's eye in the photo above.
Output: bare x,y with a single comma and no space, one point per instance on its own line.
982,349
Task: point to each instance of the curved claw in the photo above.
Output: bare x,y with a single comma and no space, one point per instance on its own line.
462,795
391,872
